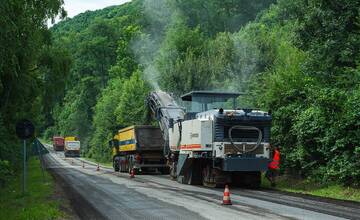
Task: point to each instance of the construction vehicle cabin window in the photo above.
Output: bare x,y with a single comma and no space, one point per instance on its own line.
201,103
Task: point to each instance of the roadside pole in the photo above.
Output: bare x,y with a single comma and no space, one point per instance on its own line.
24,168
24,130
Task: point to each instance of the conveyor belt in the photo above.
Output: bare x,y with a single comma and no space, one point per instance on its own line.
166,111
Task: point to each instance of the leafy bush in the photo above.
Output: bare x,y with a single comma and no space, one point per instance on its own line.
5,171
50,132
310,82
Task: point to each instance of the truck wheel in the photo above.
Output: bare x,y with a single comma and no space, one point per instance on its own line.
116,165
130,166
208,179
173,175
123,167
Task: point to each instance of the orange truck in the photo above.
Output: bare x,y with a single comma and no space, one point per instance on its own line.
58,143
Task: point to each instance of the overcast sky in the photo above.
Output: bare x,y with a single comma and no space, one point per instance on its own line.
74,7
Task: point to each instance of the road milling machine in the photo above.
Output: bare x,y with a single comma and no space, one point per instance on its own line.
210,141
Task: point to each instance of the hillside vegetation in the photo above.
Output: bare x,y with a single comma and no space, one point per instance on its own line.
299,59
32,73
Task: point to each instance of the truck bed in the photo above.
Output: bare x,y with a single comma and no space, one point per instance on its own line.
148,138
140,138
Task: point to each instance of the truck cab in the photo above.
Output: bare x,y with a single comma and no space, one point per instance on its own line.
58,143
72,147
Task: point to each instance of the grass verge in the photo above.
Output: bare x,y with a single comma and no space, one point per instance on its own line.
37,202
309,187
44,141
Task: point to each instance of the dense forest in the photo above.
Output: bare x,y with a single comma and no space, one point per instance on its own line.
28,65
89,75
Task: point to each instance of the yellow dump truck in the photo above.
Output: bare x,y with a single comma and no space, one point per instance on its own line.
72,147
138,147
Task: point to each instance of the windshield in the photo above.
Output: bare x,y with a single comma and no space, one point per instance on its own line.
204,103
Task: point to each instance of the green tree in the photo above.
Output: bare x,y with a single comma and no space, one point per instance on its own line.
179,60
23,37
131,108
220,15
104,121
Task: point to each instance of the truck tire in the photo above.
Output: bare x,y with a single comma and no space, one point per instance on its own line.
116,165
208,179
172,170
124,164
122,167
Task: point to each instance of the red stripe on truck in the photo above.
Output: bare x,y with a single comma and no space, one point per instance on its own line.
190,146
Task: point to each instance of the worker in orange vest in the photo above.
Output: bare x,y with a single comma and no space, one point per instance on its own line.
273,167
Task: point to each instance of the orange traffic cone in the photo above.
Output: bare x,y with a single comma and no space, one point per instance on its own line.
98,167
132,173
226,198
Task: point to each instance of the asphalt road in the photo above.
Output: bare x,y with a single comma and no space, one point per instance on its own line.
105,194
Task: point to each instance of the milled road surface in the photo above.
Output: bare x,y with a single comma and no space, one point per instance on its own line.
105,194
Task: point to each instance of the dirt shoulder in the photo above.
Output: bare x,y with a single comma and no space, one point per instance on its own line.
303,187
64,202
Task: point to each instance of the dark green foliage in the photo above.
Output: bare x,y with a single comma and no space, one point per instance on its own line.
100,46
6,153
182,59
308,82
105,121
220,15
55,64
131,109
27,63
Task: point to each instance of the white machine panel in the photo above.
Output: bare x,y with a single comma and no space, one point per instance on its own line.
196,136
174,136
219,149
